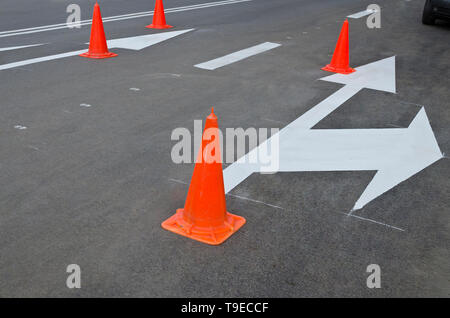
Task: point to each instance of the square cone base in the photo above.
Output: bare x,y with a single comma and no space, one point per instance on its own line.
98,56
212,235
152,26
333,69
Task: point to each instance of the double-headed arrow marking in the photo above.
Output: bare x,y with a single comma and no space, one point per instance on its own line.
396,154
132,43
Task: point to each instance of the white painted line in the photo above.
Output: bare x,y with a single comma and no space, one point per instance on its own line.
376,222
19,47
237,56
361,14
256,201
281,208
40,59
131,43
178,181
118,18
236,196
275,121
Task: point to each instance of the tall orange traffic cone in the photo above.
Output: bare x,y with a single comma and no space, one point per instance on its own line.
340,61
159,18
204,217
98,49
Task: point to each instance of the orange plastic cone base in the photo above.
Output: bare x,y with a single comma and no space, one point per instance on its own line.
159,18
208,235
333,69
165,26
340,60
98,55
98,47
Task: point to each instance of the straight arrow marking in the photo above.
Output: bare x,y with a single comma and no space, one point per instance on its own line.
396,154
131,43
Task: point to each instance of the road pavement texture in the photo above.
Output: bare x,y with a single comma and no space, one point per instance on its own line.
87,177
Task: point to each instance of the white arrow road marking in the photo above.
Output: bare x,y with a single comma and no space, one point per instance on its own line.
138,43
397,154
237,56
117,18
361,14
131,43
19,47
417,149
379,75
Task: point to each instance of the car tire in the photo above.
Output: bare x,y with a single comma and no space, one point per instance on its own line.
427,16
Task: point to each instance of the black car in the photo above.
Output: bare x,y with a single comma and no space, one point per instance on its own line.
435,9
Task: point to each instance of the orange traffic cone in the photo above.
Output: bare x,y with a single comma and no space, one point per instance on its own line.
98,49
340,61
159,18
204,217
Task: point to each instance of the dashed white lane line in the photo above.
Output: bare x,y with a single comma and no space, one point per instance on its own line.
360,14
40,59
59,26
237,56
2,49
